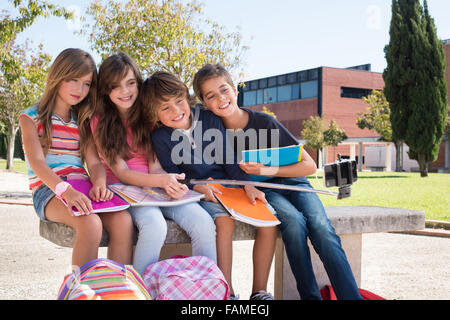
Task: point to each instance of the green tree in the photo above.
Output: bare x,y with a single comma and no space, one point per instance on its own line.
166,35
313,134
333,136
29,11
377,117
22,89
429,104
413,81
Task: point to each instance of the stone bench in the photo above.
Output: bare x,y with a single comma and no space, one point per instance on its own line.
350,223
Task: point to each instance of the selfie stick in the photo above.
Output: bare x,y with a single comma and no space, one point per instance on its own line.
263,185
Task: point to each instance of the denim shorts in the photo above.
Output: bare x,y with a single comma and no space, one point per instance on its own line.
41,197
216,210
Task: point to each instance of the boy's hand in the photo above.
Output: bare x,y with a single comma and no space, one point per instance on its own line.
253,194
171,185
258,169
208,191
78,200
99,192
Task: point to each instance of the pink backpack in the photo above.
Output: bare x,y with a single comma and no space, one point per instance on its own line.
186,278
103,279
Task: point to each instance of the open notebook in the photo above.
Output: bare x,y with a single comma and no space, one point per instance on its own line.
137,196
84,186
238,205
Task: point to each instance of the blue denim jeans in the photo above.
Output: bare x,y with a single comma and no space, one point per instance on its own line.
302,215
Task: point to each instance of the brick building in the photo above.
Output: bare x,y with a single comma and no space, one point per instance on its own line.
335,94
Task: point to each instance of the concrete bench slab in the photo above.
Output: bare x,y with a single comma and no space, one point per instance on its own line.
350,222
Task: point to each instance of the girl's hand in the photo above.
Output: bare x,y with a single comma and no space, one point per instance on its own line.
258,169
78,200
171,185
208,191
253,194
100,193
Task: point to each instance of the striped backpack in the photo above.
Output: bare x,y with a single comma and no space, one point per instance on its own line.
186,278
103,279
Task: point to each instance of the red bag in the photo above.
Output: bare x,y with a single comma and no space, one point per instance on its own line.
327,293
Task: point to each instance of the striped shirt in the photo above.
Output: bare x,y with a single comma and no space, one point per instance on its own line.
63,156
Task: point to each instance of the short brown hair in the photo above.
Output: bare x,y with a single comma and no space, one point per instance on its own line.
210,71
160,87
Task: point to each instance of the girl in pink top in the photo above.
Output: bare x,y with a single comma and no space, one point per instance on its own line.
122,133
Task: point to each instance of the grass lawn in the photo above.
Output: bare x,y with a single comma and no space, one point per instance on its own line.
397,190
386,189
18,165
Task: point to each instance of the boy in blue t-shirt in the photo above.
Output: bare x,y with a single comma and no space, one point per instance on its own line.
301,214
193,141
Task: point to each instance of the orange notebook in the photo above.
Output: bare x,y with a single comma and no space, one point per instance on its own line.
236,202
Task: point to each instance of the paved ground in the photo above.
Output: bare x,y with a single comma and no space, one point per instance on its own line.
395,266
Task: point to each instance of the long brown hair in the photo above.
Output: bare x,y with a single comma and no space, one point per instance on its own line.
111,133
70,63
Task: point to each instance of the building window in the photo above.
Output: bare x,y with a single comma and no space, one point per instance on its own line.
284,93
270,95
282,80
308,89
302,75
263,83
292,78
295,93
260,96
272,82
356,93
313,74
249,98
281,88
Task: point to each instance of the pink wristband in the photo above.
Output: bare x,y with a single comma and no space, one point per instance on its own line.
61,188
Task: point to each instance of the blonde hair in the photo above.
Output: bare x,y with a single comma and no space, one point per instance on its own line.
70,63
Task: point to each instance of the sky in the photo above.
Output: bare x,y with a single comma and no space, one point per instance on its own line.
284,35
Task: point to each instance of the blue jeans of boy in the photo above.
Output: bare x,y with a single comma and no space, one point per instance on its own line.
302,215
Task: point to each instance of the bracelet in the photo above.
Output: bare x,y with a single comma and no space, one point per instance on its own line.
61,188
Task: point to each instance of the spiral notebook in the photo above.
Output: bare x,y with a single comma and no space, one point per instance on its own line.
84,186
238,205
137,196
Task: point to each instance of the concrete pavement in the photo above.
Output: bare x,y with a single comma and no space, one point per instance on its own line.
394,266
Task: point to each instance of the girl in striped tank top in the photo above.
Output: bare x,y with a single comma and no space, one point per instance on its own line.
57,141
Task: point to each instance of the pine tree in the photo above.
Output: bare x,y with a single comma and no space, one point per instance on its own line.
414,77
397,76
429,99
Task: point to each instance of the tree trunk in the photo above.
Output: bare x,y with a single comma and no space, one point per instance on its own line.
10,148
422,164
398,156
